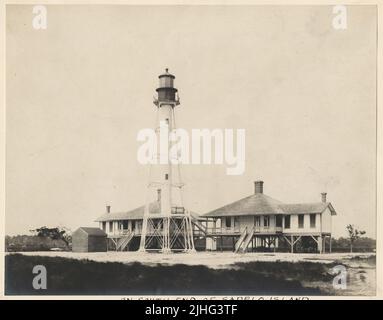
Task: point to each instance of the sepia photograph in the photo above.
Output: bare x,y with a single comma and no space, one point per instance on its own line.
191,150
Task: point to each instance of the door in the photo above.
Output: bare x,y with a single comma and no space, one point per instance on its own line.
228,223
257,223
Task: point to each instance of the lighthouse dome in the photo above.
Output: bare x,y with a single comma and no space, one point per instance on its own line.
166,79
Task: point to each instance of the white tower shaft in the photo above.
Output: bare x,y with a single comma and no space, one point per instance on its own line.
171,228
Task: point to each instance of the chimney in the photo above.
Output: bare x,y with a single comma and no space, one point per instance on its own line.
324,196
107,209
159,195
258,187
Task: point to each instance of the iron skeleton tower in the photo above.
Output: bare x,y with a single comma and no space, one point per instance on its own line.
167,225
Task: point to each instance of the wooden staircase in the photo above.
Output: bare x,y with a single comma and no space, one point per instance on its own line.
124,241
199,225
244,240
238,244
248,239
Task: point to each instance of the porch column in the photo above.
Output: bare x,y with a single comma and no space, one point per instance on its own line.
320,243
330,244
274,245
324,244
115,227
292,243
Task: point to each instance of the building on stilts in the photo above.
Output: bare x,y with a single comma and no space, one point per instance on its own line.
261,223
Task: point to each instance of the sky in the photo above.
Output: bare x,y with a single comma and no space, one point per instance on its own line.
78,92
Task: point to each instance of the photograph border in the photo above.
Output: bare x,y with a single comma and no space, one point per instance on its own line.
379,135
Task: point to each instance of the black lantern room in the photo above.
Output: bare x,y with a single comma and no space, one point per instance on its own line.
166,91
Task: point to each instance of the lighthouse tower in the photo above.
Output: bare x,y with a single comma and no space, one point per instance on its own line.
167,225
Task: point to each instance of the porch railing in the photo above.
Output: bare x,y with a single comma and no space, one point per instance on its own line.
210,230
264,229
238,230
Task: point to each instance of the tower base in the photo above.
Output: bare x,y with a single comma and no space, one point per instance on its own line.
167,234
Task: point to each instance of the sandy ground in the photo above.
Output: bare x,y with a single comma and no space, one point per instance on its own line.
210,259
361,279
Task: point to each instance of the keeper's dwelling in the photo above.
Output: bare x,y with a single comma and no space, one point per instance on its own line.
124,229
261,223
255,223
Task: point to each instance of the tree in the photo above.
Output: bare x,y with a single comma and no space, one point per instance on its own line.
53,233
353,234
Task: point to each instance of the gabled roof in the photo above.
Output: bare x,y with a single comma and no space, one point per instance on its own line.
135,214
255,204
93,231
259,203
315,207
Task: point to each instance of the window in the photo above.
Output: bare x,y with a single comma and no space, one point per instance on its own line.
287,221
104,226
278,221
110,226
228,222
266,221
236,222
301,220
312,220
257,221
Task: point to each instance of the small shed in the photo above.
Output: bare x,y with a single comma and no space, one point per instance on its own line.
86,239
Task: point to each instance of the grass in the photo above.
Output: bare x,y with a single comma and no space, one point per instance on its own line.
83,277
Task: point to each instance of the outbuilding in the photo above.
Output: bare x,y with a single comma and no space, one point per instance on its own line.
86,239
